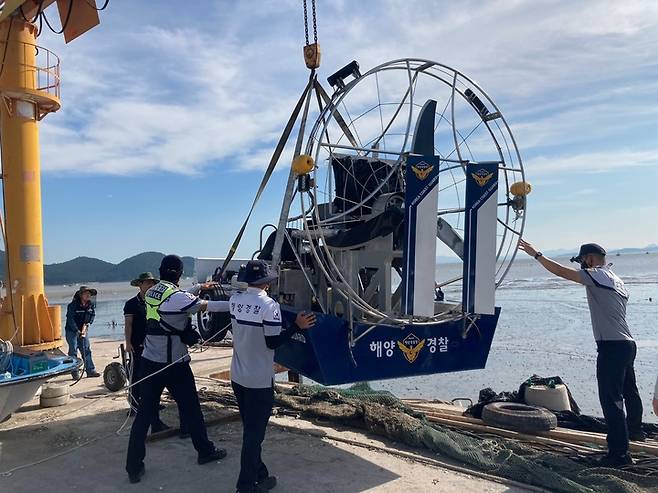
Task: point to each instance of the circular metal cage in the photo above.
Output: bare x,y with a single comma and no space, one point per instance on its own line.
373,117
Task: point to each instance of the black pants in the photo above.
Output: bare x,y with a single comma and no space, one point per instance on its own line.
135,372
135,393
616,379
179,380
255,409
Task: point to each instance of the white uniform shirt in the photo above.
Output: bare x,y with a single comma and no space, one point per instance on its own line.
176,311
254,315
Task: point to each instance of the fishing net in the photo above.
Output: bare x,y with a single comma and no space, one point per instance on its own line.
381,413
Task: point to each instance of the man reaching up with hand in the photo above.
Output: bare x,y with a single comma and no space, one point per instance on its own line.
615,374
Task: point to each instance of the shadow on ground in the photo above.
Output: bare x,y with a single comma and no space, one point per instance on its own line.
87,453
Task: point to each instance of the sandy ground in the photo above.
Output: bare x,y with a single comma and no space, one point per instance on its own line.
82,446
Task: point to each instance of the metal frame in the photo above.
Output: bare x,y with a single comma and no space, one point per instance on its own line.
315,227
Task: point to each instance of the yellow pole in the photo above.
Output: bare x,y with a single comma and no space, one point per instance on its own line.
25,317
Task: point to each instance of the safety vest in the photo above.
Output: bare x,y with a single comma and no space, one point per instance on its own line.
155,326
155,297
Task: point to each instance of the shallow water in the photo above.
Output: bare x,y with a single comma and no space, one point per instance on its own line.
544,328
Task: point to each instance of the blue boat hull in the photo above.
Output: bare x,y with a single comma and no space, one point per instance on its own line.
323,353
27,372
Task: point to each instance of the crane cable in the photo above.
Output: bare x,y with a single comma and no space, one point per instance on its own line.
314,20
304,98
64,24
36,16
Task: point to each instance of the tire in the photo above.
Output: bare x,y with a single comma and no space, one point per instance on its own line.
62,400
213,326
518,417
114,377
51,390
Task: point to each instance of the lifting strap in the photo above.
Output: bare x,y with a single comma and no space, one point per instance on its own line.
270,169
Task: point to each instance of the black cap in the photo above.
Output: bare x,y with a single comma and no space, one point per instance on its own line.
586,249
171,264
257,272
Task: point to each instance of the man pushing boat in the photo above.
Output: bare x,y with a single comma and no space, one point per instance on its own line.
607,297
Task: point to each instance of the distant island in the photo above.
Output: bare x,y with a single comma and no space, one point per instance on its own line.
82,270
621,251
567,252
89,270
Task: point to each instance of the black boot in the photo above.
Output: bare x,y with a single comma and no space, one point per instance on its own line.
614,461
268,483
214,456
136,477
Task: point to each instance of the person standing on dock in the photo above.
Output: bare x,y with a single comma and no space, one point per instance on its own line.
134,312
655,399
166,364
607,297
256,327
80,314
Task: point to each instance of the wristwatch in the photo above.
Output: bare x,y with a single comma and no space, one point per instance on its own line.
538,254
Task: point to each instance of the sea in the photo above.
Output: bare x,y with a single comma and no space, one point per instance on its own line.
544,329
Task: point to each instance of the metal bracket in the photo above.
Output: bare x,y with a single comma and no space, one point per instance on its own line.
337,78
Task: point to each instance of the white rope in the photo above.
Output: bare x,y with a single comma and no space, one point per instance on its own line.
9,472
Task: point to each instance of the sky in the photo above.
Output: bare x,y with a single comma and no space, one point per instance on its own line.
170,113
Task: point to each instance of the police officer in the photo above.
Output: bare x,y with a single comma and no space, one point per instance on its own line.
257,331
615,374
166,363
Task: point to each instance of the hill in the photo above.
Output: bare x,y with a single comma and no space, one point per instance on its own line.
80,269
87,269
148,261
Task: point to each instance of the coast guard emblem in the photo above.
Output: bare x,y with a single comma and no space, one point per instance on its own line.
481,177
411,347
422,169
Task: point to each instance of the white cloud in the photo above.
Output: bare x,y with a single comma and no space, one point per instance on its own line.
593,162
142,98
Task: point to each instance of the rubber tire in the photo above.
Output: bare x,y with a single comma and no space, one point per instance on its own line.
51,390
219,321
62,400
518,417
115,377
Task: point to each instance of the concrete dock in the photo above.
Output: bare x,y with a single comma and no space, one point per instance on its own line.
82,446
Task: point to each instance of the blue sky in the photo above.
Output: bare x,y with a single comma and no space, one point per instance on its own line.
170,113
